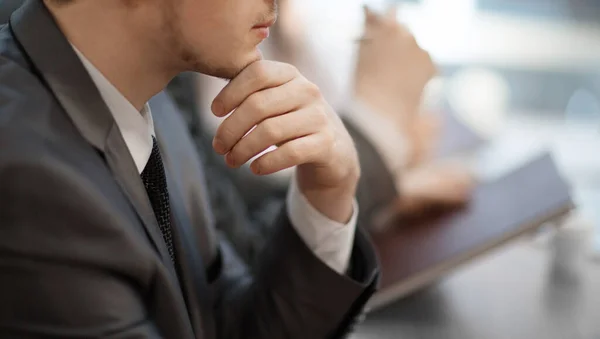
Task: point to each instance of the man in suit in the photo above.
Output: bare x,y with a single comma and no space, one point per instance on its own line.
106,229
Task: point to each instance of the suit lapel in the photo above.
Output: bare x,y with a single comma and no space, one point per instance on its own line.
126,174
189,259
65,75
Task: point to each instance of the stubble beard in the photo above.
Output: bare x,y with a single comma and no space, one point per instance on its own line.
187,58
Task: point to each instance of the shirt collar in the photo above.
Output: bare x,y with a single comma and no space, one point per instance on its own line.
136,127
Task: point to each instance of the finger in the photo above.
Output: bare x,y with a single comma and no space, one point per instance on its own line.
257,76
370,16
293,153
430,68
260,106
275,131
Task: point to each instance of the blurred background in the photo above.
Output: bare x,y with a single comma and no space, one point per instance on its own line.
526,72
525,76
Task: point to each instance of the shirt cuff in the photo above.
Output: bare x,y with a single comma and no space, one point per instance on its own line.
329,240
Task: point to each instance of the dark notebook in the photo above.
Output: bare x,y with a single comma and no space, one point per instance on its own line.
414,255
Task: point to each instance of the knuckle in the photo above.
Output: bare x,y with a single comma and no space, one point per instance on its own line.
291,69
270,129
320,116
260,71
285,72
295,153
329,141
313,90
327,144
256,103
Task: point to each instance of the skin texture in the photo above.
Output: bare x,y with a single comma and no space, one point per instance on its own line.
140,45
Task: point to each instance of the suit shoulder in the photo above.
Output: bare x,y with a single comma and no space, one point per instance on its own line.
36,134
29,113
23,95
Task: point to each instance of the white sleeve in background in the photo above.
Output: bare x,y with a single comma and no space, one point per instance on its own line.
330,241
391,144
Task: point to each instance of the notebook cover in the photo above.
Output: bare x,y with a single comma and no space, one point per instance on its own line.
415,254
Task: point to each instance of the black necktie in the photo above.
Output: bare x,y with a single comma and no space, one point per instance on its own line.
155,182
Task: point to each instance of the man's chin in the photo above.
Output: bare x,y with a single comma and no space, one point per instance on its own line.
230,72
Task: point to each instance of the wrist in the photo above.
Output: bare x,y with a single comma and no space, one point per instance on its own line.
336,203
335,206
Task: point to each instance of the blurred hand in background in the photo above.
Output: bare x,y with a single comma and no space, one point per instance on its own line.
445,185
391,74
392,69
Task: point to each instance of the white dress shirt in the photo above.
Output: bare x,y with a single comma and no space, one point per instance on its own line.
330,241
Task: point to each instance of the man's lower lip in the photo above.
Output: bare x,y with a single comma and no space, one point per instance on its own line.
263,32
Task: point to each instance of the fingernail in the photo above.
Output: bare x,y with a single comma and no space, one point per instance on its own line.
255,168
218,146
229,159
217,108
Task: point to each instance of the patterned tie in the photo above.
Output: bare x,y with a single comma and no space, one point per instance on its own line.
155,182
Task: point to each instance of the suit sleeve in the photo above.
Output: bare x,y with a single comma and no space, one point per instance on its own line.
56,278
291,293
288,292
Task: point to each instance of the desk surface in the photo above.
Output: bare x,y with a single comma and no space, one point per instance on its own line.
510,294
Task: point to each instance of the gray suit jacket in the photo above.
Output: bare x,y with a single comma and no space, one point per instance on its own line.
81,255
7,7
